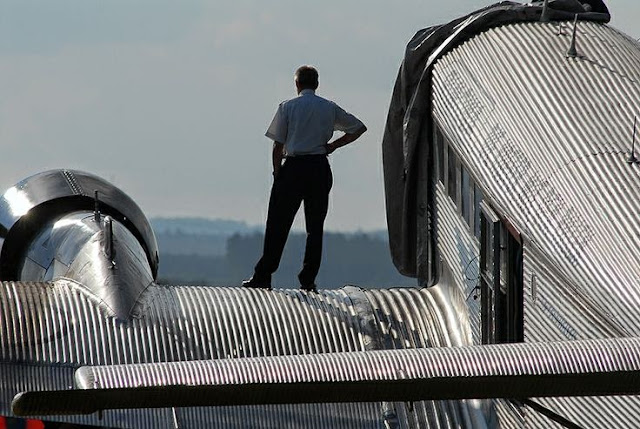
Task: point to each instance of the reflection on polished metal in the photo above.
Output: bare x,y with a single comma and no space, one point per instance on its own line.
46,197
74,247
59,237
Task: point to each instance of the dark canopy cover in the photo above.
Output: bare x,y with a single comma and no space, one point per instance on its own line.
408,125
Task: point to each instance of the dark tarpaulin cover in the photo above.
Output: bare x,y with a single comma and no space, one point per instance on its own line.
408,122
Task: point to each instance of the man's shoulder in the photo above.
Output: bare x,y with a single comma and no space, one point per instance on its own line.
321,99
314,98
289,102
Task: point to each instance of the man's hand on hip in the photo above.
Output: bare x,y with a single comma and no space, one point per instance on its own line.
277,155
344,140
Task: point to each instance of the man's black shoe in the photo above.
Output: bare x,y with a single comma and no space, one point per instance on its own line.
256,284
310,288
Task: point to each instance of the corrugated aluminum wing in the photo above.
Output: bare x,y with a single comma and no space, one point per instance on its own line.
47,330
580,368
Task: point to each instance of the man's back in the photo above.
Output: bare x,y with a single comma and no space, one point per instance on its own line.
306,123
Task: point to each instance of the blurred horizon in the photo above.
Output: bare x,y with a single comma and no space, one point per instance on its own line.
222,252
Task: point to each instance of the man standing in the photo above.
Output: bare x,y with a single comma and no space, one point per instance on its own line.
301,130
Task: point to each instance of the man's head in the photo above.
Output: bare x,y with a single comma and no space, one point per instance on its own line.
306,77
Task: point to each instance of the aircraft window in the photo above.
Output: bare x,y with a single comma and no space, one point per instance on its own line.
488,243
503,259
471,201
489,249
477,199
453,167
440,153
500,297
501,280
445,163
515,305
464,194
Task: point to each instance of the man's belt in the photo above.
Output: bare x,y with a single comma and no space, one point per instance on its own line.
301,157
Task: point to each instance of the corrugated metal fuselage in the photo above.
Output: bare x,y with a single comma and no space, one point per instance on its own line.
543,141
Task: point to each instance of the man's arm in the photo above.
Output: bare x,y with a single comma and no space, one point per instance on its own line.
276,157
345,140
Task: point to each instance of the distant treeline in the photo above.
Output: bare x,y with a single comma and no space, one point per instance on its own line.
360,259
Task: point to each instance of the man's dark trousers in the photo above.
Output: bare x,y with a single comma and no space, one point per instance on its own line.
305,178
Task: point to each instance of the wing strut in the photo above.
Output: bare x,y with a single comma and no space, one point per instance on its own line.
550,414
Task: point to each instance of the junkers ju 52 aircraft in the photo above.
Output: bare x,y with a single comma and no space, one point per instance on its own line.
512,188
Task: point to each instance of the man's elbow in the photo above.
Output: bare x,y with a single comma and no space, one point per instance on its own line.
359,132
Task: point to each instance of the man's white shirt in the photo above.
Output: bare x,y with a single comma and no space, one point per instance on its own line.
305,124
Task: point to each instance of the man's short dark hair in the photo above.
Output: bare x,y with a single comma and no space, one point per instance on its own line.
307,77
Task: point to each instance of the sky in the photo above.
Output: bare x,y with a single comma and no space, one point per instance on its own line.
169,100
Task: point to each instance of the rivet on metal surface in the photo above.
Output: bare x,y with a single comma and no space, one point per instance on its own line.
96,207
632,157
545,16
573,52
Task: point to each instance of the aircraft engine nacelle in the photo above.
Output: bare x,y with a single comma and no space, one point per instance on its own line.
65,224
